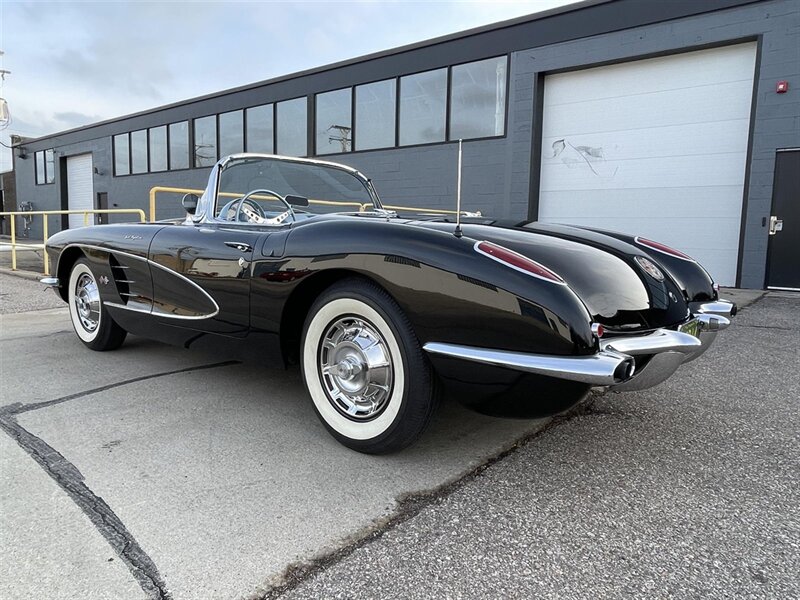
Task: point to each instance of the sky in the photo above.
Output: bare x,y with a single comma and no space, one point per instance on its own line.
74,63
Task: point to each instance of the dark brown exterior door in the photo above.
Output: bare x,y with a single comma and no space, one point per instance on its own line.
783,264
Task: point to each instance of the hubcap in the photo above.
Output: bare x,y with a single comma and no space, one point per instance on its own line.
356,368
87,302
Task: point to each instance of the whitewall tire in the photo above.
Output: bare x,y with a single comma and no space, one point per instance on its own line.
90,319
368,378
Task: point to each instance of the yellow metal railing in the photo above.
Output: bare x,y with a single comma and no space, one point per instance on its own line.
361,207
45,234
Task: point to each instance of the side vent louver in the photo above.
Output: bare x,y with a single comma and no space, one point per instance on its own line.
121,279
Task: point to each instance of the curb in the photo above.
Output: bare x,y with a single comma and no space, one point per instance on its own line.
22,274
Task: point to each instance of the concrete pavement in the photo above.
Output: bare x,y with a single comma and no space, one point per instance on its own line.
218,472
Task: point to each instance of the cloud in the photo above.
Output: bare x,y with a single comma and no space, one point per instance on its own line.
75,63
72,119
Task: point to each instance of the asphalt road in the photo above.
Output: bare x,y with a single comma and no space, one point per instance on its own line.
689,490
154,472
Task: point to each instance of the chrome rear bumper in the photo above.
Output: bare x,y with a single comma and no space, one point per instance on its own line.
606,367
661,353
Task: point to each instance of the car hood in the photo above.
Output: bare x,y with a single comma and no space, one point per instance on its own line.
602,271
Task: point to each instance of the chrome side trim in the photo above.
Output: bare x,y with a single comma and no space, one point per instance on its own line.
130,308
602,368
50,282
661,340
162,267
158,312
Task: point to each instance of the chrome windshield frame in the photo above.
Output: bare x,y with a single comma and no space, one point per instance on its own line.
207,205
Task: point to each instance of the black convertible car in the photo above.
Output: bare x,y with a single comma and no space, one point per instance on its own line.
296,261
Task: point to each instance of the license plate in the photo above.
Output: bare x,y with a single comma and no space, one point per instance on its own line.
693,328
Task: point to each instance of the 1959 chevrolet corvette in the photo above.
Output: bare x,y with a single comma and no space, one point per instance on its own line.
296,261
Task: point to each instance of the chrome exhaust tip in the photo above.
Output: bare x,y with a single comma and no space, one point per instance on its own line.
625,370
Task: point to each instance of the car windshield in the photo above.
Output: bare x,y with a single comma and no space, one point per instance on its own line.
329,189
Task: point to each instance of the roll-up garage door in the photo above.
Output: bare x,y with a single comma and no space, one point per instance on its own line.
654,147
80,188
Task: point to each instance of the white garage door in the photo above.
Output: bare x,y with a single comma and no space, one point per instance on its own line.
80,188
655,147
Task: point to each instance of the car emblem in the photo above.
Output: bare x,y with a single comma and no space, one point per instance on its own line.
133,237
650,268
103,279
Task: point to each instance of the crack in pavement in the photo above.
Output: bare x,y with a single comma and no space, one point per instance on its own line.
70,479
19,408
408,506
778,327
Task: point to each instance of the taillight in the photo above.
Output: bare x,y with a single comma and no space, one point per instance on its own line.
517,261
663,248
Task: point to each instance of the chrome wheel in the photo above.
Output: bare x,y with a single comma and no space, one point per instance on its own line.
87,302
356,368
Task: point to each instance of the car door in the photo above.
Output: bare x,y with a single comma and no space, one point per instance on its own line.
201,275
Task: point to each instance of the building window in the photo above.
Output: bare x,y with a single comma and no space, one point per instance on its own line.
158,148
49,166
122,155
139,151
231,133
423,107
205,141
260,131
478,99
39,159
376,109
334,122
45,164
292,127
179,145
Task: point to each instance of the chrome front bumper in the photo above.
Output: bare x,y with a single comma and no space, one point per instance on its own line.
660,353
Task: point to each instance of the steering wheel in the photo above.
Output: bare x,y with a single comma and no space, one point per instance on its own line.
255,214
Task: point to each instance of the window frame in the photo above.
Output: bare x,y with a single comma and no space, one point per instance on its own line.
446,97
311,121
39,154
193,140
114,154
350,89
150,149
505,98
147,150
273,116
188,145
396,124
219,130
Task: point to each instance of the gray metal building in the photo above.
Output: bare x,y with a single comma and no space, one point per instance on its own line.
667,119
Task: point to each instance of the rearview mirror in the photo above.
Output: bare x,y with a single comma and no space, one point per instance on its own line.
189,203
296,200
